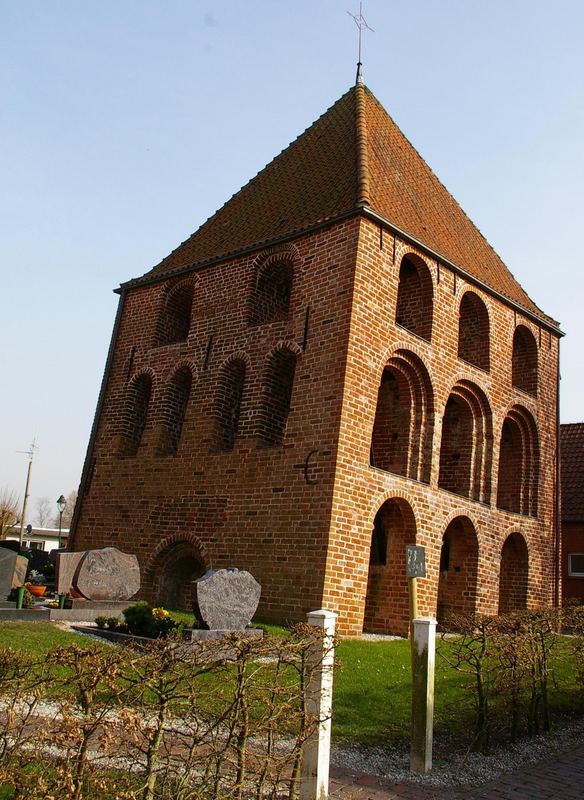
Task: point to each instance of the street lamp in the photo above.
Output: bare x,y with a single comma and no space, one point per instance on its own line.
61,503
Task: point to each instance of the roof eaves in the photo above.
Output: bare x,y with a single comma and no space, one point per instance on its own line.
156,277
547,322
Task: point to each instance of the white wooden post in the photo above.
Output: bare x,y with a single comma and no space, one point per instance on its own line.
423,660
319,701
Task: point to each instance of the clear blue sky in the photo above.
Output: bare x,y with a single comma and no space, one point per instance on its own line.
126,123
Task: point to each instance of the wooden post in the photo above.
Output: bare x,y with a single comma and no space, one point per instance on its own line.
423,660
319,699
413,594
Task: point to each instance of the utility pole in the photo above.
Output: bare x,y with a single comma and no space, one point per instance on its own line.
30,454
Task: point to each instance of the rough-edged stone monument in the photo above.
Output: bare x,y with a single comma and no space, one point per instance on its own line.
96,582
226,599
98,575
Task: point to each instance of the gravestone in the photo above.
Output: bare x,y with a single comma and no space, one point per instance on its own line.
66,565
13,569
98,575
107,574
226,599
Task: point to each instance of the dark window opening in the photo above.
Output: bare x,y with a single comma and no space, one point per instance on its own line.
270,300
175,407
415,298
174,322
277,397
228,405
378,553
473,332
524,365
134,420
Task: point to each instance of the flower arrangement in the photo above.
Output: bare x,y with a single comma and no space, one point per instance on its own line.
36,578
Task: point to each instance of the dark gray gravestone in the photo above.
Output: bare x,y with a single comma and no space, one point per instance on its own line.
107,574
12,571
226,599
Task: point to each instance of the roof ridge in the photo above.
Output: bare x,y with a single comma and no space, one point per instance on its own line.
363,192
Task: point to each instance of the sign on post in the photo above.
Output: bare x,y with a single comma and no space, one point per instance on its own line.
416,561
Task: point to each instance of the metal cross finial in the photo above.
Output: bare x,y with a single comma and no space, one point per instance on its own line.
361,23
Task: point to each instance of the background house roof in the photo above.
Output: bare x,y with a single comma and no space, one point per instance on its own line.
572,471
354,156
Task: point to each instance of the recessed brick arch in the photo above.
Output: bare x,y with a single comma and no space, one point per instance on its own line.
174,318
228,401
467,443
415,296
174,408
459,561
173,566
132,422
277,387
524,361
518,474
514,574
404,418
271,294
386,603
474,331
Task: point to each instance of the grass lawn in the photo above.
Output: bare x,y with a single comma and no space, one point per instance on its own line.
371,684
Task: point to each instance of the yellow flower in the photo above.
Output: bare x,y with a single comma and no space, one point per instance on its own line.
160,613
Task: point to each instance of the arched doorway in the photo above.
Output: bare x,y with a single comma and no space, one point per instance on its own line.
173,572
457,586
386,603
513,577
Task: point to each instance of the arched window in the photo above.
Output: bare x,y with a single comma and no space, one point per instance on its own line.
386,603
228,404
513,576
524,360
277,396
174,321
459,560
174,410
473,331
415,297
467,442
518,476
404,419
135,416
270,299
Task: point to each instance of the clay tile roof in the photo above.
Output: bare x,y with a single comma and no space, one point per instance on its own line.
354,156
572,471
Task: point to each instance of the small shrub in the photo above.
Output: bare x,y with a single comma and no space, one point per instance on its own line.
101,622
153,623
112,623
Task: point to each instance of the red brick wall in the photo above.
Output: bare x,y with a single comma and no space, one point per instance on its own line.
300,514
572,542
360,489
231,501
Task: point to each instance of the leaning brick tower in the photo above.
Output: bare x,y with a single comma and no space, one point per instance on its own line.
335,365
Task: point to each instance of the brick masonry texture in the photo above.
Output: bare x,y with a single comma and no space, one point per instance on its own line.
269,410
572,484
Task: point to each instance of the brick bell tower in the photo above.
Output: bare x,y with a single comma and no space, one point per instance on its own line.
336,364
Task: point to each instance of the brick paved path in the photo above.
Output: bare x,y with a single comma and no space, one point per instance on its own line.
559,778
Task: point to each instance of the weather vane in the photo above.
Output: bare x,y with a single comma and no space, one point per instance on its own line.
361,23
